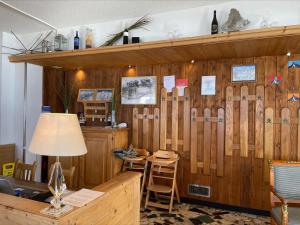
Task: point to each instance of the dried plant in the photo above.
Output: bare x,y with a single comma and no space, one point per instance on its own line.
137,25
66,91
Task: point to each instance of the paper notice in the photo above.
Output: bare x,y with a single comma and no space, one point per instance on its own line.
81,197
169,82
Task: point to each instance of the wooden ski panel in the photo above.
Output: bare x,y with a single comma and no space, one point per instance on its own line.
244,122
229,121
220,142
268,141
298,137
259,122
194,157
135,128
186,120
206,141
163,119
156,130
146,128
285,133
174,144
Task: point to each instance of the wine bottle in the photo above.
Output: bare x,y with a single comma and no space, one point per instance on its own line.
125,37
76,41
214,24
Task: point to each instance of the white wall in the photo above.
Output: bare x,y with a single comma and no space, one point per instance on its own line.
196,21
12,101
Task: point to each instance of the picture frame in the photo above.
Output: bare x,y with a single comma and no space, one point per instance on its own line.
293,64
86,95
95,95
243,73
138,90
104,95
208,85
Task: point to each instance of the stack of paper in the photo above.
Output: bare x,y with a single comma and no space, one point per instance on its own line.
81,197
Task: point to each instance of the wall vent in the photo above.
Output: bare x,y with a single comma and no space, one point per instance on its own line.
199,190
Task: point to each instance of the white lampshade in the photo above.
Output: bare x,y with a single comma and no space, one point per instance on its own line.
58,134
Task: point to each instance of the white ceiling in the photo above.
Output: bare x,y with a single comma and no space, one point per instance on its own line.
71,13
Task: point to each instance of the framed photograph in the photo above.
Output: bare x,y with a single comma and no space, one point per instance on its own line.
293,97
208,85
293,64
105,95
138,90
240,73
86,95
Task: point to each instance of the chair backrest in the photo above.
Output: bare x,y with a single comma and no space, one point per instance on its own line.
25,171
68,175
287,179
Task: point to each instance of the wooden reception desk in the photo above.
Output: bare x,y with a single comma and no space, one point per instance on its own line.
120,205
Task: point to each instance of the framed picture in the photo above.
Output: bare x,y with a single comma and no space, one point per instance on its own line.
105,95
138,90
208,85
86,95
293,64
293,97
241,73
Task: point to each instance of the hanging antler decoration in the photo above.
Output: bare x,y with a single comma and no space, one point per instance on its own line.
34,48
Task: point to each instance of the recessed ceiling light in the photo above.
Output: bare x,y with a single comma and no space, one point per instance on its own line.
192,61
129,66
56,67
288,53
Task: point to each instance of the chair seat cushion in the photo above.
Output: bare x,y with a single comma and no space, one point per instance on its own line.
294,215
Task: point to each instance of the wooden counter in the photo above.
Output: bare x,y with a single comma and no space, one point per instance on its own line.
99,164
120,205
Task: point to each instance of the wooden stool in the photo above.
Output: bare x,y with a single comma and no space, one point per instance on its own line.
25,171
163,167
138,163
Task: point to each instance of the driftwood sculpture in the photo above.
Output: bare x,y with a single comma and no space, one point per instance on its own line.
235,22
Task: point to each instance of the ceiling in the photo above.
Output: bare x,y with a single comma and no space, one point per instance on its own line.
71,13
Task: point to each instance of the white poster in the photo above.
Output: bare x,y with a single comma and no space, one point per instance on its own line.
208,85
169,82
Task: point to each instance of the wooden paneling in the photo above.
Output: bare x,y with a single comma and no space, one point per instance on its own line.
244,181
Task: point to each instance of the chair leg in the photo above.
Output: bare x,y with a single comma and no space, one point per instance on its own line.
177,193
171,201
147,199
144,179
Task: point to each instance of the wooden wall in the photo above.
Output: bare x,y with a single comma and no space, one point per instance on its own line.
244,182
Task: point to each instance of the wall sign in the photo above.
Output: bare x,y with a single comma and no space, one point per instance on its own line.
208,85
240,73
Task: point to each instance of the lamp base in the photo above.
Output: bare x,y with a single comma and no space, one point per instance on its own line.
51,211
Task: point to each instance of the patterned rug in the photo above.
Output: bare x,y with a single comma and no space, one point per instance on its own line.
195,214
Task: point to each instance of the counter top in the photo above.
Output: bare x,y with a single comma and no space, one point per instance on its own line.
120,200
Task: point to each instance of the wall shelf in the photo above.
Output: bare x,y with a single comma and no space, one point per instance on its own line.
251,43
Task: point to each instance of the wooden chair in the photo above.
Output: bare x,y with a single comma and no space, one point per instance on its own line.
25,171
285,190
138,163
68,175
162,178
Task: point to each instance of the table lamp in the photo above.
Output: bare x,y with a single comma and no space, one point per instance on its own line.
57,134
